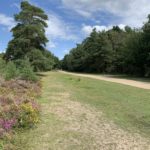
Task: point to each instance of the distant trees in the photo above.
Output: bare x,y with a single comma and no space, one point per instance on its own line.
100,52
137,58
113,51
29,38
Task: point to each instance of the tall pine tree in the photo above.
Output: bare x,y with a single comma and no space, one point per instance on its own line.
28,34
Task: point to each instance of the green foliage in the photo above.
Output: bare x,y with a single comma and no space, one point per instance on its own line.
29,38
25,70
37,59
52,62
17,69
100,52
10,71
133,53
29,33
113,51
2,66
42,61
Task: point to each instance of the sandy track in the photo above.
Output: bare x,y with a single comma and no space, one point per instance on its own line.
139,84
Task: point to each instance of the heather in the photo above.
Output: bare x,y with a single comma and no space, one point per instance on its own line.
18,108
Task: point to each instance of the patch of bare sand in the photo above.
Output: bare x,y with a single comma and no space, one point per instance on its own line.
91,130
139,84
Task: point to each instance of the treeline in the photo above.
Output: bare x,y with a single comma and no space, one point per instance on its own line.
114,51
27,52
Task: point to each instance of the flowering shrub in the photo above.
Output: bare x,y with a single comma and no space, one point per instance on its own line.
20,88
18,109
29,115
24,114
7,124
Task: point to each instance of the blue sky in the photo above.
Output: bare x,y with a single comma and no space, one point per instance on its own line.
70,21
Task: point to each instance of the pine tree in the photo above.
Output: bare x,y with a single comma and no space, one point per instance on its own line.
29,33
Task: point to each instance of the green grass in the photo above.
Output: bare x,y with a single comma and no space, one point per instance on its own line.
127,106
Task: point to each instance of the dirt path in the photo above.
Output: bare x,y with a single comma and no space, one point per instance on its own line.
69,125
139,84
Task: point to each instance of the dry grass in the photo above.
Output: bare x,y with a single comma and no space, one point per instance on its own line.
71,125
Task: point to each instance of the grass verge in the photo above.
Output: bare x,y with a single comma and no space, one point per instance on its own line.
63,124
125,105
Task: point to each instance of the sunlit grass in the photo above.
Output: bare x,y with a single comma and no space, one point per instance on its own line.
127,106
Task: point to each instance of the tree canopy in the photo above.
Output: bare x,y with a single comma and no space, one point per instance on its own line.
113,51
29,38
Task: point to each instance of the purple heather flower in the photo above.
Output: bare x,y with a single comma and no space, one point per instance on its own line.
7,124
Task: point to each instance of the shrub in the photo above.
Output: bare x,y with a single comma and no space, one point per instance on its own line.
10,71
7,124
37,59
20,110
25,70
18,114
42,60
2,66
17,69
28,74
29,115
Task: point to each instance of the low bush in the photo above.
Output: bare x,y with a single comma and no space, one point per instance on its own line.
18,109
26,70
18,69
19,87
17,113
10,71
2,66
29,115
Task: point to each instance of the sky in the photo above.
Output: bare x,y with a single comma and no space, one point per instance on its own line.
70,21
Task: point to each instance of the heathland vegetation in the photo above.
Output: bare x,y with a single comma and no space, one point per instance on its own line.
19,84
77,112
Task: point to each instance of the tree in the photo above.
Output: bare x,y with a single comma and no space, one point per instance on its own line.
97,53
113,51
137,58
146,46
29,33
133,54
29,39
128,29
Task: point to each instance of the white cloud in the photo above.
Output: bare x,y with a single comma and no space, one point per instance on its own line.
58,29
84,13
87,29
122,26
6,21
65,52
132,12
